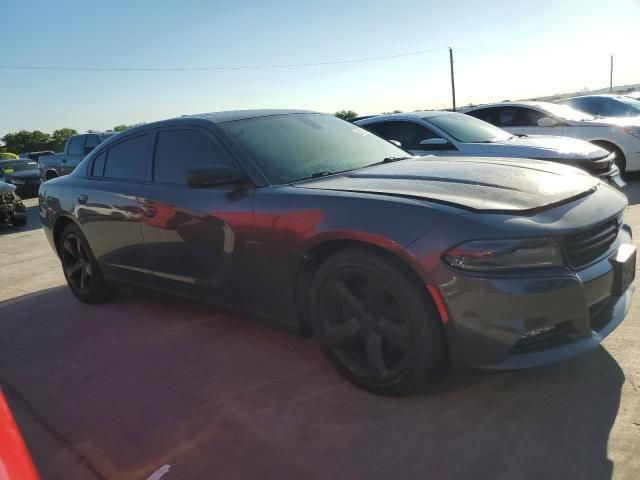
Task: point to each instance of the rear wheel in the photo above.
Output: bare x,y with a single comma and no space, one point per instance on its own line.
81,269
375,322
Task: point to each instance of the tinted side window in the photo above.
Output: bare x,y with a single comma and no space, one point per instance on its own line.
98,165
75,146
126,160
178,151
409,134
92,141
614,108
487,114
376,128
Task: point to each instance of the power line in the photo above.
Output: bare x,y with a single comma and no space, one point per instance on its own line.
241,67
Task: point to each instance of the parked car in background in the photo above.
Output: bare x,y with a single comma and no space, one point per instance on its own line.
12,210
8,156
75,149
450,133
618,135
605,105
22,173
36,155
393,262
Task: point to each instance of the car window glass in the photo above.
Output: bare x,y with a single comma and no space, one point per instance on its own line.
518,117
75,146
98,165
613,108
92,141
409,134
377,128
178,151
126,159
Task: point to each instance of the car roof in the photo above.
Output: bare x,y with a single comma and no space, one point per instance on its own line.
215,117
418,114
522,103
233,115
600,95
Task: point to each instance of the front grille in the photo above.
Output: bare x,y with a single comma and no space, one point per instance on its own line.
550,338
587,246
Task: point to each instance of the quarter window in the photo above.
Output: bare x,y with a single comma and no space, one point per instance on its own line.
75,145
509,116
178,151
126,160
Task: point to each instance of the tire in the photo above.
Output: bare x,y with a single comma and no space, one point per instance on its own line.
375,322
80,268
19,222
621,160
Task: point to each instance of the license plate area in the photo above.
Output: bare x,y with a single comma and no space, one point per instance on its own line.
624,268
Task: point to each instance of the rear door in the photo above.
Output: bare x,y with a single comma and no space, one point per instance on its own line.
193,236
107,207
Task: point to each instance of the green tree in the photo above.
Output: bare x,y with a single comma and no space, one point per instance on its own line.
121,128
346,114
59,137
26,141
395,111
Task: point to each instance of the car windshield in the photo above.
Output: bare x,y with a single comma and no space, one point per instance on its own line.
567,113
17,166
467,129
293,147
632,102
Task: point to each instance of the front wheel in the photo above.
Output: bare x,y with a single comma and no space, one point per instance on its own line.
81,269
375,322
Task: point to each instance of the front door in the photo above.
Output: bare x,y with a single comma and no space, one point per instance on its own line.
193,236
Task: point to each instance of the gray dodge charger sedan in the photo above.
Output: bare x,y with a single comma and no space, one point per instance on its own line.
393,262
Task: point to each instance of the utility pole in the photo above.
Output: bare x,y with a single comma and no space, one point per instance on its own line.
453,82
611,76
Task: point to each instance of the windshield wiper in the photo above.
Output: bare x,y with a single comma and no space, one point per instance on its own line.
388,160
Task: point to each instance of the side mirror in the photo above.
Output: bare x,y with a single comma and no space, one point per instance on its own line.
434,141
547,122
213,177
396,143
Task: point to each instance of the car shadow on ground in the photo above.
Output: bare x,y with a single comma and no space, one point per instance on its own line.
33,222
148,380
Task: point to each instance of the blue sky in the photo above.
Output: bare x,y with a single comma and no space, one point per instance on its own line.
506,49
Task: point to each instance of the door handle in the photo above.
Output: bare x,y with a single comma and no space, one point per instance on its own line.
82,199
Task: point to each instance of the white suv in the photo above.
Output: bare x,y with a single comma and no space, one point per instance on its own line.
619,135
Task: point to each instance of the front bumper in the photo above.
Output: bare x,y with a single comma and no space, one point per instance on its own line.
613,177
494,320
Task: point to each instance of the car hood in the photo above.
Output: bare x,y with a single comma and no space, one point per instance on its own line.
6,188
543,147
480,183
23,174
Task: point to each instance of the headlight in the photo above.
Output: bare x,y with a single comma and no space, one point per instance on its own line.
16,181
635,131
498,255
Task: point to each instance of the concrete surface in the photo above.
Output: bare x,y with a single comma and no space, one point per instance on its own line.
148,383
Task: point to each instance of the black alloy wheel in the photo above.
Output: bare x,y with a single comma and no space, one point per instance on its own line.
80,268
374,323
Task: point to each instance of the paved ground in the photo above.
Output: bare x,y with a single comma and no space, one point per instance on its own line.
120,391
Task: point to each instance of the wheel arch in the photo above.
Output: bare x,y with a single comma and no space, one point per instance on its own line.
610,146
58,227
318,253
